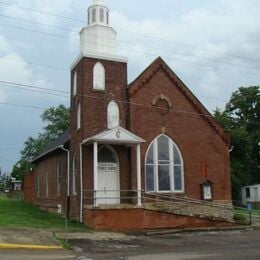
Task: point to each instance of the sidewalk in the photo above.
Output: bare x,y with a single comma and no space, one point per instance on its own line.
27,238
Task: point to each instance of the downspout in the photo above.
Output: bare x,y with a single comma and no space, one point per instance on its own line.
81,184
68,191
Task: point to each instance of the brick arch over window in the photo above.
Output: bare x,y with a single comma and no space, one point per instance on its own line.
164,170
99,76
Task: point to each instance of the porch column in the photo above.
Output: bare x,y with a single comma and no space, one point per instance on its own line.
138,171
95,172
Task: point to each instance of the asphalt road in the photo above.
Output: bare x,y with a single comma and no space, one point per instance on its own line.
224,245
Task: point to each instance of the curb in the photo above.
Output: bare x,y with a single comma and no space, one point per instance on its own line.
190,230
20,246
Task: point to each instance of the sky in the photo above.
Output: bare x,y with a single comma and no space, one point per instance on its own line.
213,46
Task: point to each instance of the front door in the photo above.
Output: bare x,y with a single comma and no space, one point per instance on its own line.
108,177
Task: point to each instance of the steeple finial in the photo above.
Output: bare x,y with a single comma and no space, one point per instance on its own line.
99,2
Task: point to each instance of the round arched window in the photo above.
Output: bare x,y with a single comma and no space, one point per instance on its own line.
164,166
99,76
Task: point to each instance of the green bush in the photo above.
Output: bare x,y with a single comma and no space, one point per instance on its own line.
239,217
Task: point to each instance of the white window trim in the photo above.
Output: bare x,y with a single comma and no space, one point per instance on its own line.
171,165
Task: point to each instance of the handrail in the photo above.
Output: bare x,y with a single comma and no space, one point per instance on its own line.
172,199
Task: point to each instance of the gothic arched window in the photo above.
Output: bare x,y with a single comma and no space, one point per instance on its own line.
79,116
74,86
113,117
99,76
164,166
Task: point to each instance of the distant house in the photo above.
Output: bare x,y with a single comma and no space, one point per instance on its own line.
251,194
16,184
130,146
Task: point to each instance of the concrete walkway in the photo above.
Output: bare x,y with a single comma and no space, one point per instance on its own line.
11,238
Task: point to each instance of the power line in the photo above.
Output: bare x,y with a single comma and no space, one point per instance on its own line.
172,110
128,42
34,63
145,53
40,12
34,87
34,90
8,83
21,105
130,32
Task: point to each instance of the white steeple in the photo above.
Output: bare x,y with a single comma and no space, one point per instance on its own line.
99,2
97,38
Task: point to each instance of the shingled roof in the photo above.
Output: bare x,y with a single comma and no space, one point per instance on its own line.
62,140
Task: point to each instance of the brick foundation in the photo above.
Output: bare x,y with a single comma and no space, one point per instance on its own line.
139,218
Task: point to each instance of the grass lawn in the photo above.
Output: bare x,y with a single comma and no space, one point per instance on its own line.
15,213
245,212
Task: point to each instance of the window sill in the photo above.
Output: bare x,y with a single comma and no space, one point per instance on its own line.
98,91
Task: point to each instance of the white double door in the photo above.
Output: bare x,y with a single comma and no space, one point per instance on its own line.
108,183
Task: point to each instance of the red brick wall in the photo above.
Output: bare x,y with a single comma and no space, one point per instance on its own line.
29,187
197,138
136,219
51,201
94,118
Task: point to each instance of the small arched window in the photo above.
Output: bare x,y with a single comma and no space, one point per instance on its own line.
99,76
75,83
79,116
93,15
164,166
101,15
113,118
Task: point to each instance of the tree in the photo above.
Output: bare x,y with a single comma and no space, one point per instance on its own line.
57,120
241,118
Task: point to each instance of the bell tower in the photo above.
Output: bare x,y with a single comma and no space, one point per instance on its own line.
98,38
98,77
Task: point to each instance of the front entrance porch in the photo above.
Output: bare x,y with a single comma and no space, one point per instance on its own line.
106,189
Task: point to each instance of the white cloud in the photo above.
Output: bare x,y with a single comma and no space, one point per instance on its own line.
61,7
231,29
4,46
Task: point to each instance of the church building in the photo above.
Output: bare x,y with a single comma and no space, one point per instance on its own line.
145,154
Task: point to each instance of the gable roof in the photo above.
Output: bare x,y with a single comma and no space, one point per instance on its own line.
159,64
117,135
62,140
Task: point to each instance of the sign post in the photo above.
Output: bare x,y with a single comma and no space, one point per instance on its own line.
249,209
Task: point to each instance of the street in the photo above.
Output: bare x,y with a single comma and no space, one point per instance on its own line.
240,244
224,245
